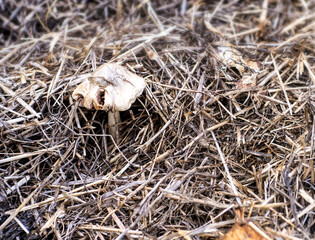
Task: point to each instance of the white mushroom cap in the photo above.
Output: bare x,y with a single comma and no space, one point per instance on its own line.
110,87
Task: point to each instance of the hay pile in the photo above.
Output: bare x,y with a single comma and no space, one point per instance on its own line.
195,147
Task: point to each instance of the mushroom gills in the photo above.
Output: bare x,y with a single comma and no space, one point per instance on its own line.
101,98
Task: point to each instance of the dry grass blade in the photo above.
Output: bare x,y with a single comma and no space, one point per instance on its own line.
227,119
227,170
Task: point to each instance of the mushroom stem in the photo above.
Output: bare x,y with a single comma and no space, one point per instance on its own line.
113,121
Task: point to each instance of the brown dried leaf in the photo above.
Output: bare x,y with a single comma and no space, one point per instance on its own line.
242,232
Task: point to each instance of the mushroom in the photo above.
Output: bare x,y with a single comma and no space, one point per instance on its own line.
111,88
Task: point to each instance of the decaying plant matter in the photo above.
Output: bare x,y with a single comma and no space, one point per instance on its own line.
209,136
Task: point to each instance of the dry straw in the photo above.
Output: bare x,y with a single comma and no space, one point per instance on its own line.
207,136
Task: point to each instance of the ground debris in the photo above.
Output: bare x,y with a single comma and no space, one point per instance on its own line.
226,121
